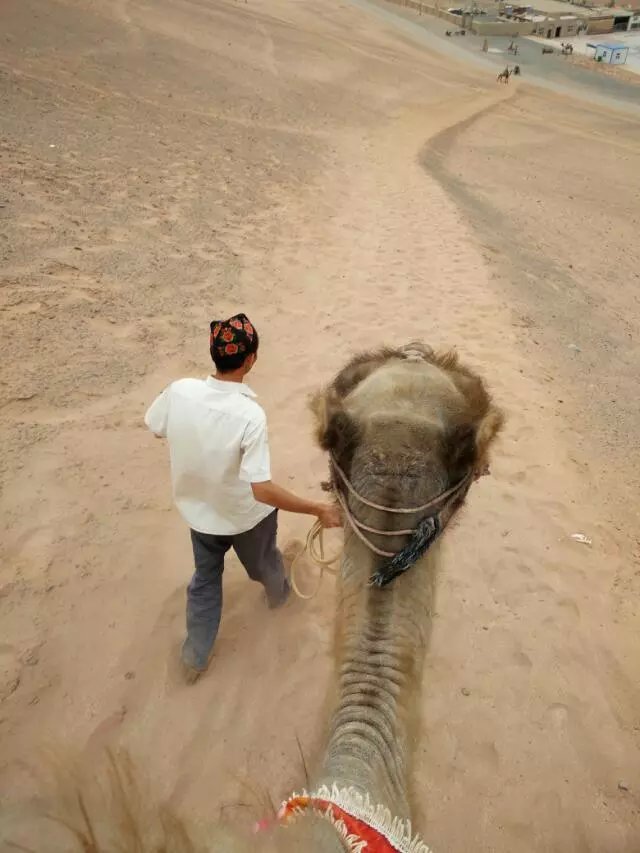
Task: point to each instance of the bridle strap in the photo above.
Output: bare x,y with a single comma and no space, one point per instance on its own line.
405,510
355,525
358,526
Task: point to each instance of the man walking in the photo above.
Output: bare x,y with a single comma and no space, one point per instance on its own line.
222,486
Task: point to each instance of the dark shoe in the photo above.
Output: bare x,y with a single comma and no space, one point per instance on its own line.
191,672
191,675
273,605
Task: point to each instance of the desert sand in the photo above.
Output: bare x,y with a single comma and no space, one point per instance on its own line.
167,163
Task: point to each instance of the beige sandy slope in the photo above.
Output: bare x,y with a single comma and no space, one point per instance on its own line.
215,156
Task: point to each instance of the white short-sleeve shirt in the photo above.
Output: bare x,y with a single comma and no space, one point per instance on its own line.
219,445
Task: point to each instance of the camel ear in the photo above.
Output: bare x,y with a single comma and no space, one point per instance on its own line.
322,403
336,431
460,450
342,437
487,419
488,428
466,445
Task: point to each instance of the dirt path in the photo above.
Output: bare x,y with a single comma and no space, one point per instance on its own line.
298,195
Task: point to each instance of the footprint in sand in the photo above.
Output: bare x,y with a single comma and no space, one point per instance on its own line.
10,669
483,755
557,716
570,609
103,731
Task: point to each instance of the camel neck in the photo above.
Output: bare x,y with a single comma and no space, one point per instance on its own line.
381,640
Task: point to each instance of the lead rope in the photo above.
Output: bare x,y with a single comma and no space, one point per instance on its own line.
314,546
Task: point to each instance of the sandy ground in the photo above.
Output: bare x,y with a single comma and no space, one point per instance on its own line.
163,164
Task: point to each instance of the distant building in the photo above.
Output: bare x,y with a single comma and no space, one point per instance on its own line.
548,19
613,54
558,19
551,19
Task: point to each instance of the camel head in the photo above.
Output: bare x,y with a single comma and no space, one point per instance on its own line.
405,426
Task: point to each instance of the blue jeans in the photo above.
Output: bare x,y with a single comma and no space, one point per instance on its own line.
258,553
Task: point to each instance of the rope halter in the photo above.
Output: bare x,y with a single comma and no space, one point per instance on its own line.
436,513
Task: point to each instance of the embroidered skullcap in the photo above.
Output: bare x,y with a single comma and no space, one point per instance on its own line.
231,337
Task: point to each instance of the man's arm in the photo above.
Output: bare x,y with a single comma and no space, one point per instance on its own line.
273,495
255,468
158,414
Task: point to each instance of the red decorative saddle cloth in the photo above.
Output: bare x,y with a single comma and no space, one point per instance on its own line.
364,827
